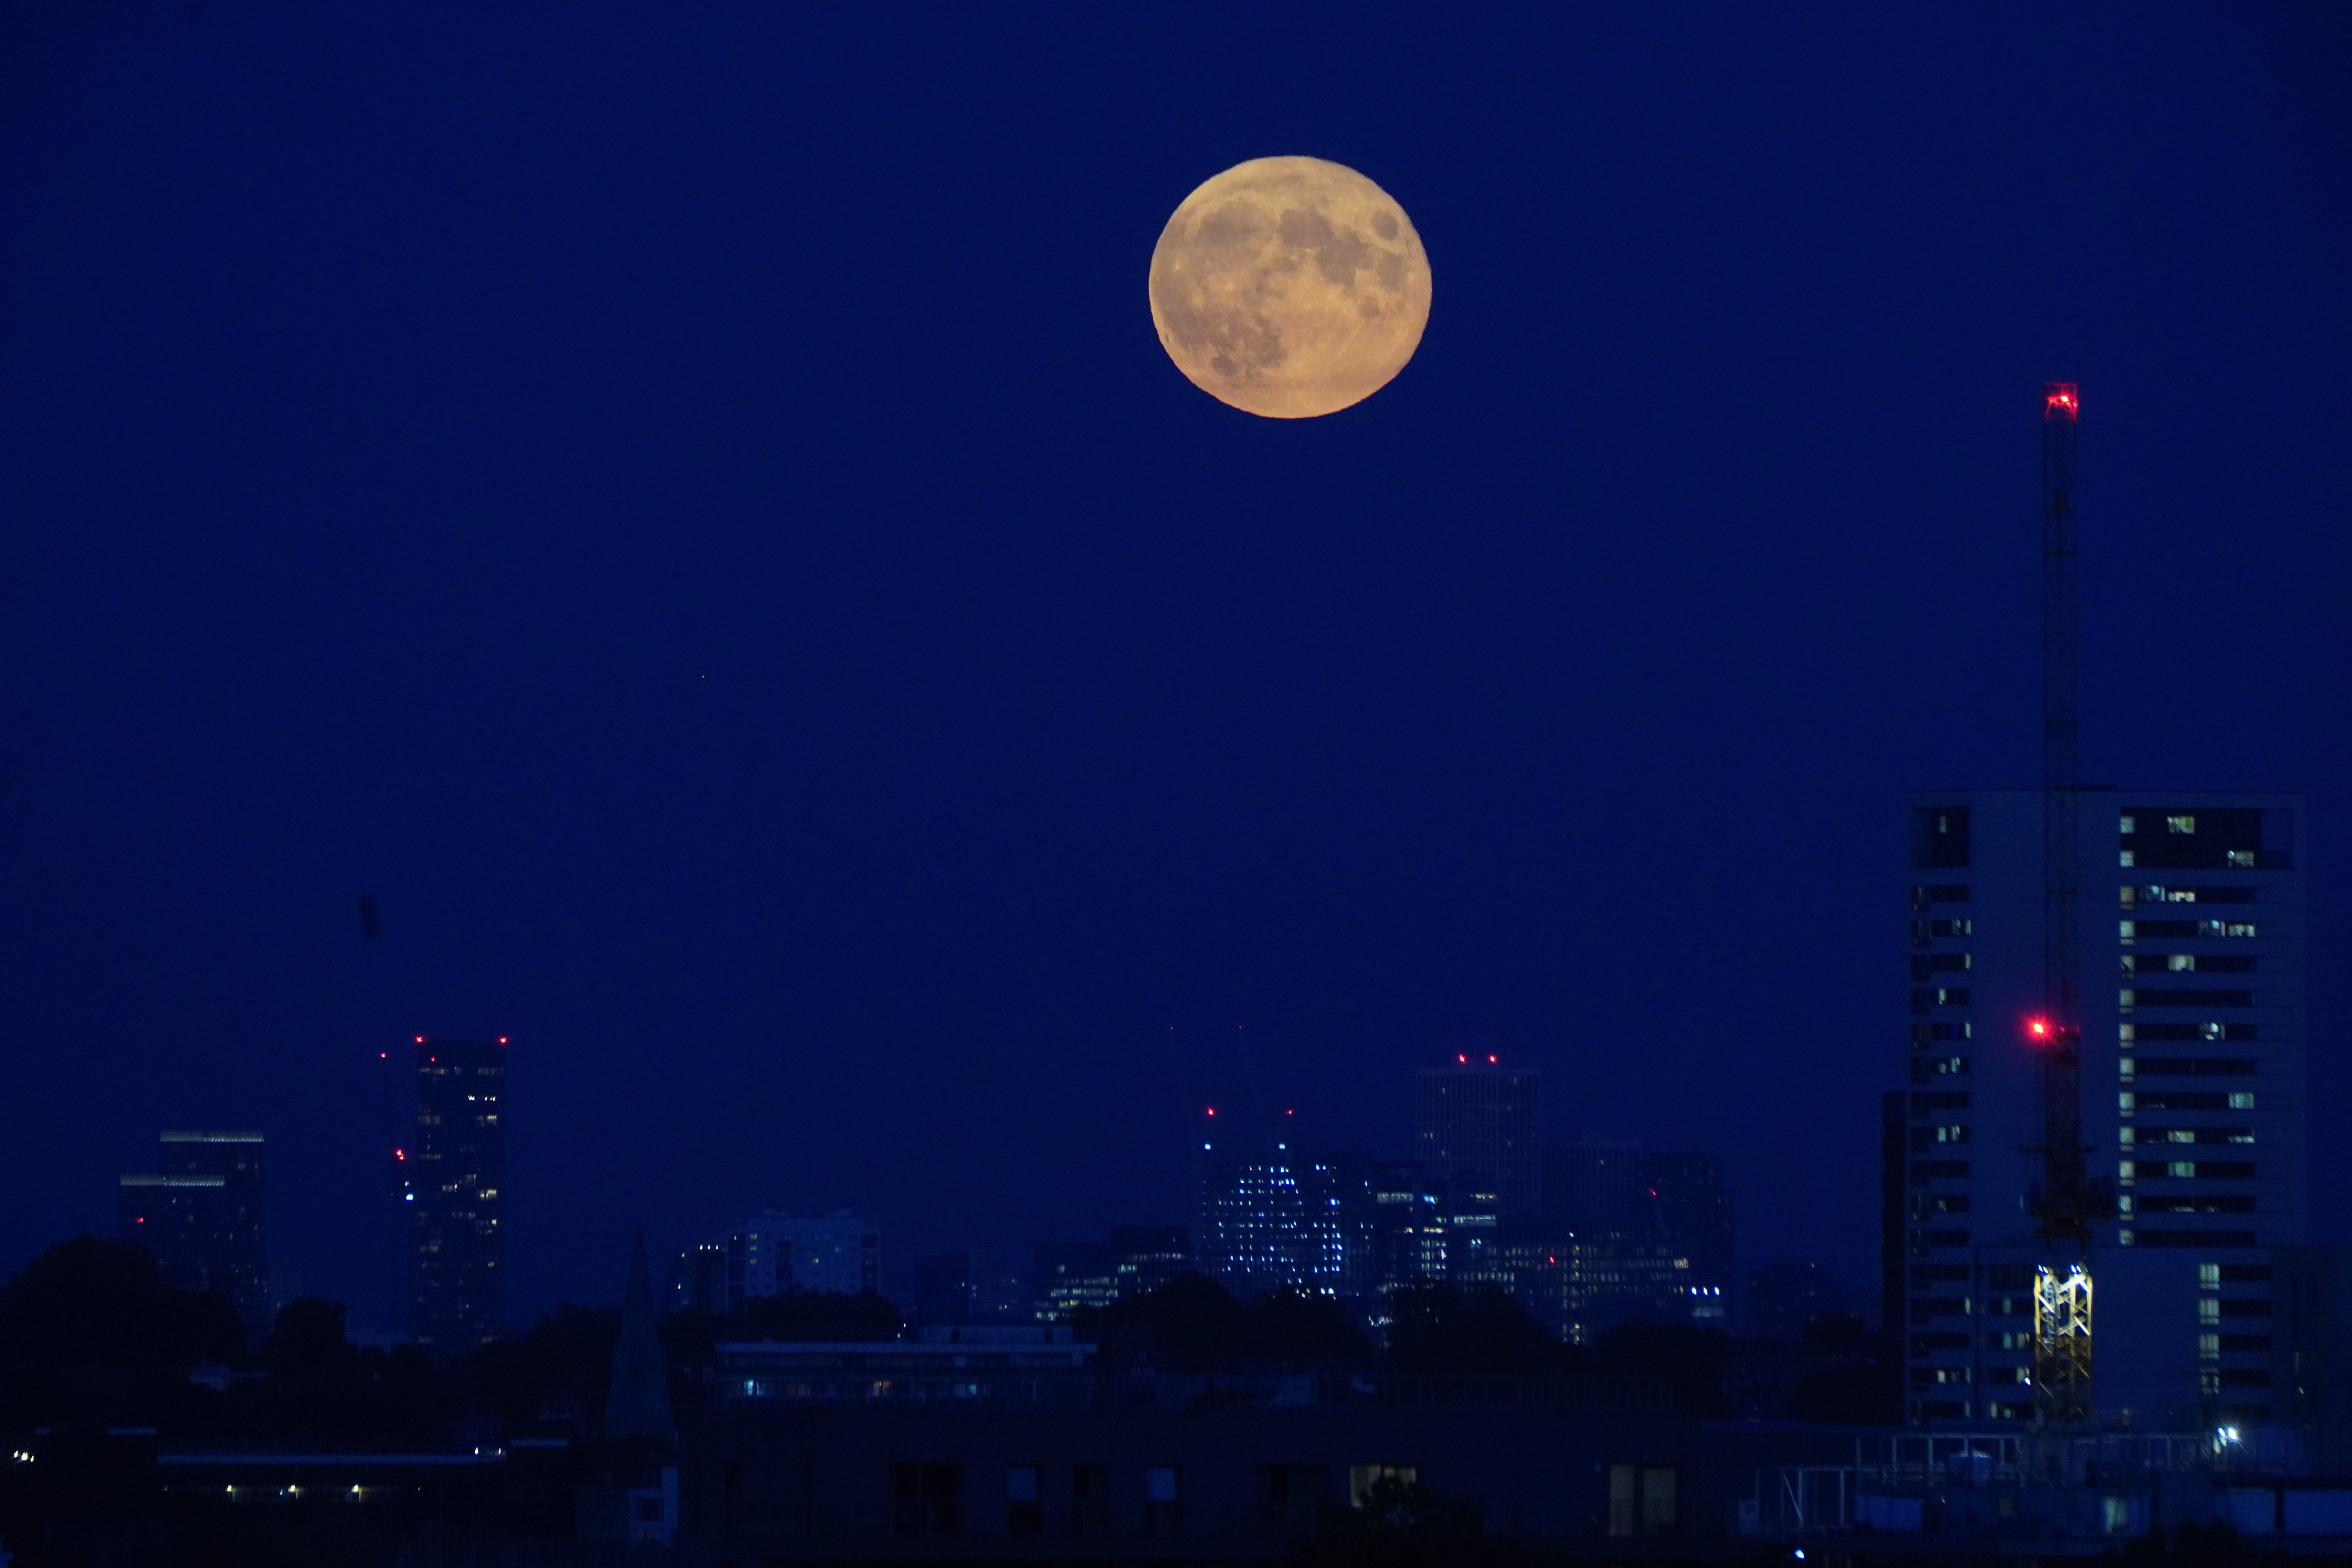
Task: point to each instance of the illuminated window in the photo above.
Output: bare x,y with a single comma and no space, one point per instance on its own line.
2124,859
2208,1347
2241,858
2181,824
2242,1102
2129,824
2208,1310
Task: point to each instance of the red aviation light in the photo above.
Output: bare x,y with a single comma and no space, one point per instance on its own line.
2058,400
1490,1060
502,1039
1212,1111
1463,1057
2038,1031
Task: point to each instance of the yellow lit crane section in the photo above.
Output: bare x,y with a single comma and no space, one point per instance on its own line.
2061,1345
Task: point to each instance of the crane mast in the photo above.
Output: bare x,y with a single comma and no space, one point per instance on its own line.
2061,1299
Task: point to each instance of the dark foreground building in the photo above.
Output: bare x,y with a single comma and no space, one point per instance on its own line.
786,1483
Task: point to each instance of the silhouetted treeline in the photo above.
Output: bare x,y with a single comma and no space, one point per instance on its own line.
93,1335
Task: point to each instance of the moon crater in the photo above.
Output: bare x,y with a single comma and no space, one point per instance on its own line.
1289,287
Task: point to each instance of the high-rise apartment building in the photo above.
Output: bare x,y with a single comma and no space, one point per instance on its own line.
2193,1046
782,1254
454,1173
204,1215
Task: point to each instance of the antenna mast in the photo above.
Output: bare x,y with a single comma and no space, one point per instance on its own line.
2062,1288
2064,1178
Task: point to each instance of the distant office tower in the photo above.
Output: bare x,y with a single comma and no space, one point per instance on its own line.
1268,1215
1783,1297
1401,1224
1480,1118
1694,1202
205,1217
455,1188
1074,1274
942,1292
781,1254
1613,1258
999,1287
1401,1236
697,1280
2193,1056
1146,1256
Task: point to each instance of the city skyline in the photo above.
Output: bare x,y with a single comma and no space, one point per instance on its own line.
496,572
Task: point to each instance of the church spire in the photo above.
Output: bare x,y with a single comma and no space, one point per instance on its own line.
638,1403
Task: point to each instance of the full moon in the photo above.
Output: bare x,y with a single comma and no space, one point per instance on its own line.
1289,287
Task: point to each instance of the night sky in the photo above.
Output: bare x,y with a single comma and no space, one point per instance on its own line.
684,508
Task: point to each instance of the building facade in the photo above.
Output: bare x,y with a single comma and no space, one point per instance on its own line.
1479,1118
1694,1203
204,1215
782,1254
2193,1046
453,1175
1267,1215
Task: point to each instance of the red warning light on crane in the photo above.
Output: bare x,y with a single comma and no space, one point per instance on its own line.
2058,400
2038,1030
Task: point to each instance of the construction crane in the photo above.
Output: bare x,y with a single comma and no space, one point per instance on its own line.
2066,1202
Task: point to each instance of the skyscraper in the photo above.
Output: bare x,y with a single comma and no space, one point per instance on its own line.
456,1180
1479,1117
1616,1260
2193,1047
205,1217
1268,1215
1694,1202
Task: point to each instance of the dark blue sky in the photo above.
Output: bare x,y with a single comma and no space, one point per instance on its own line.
686,508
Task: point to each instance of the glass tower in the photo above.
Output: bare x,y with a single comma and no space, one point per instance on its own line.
455,1176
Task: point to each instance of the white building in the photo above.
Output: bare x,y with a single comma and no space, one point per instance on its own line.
781,1254
2193,1051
